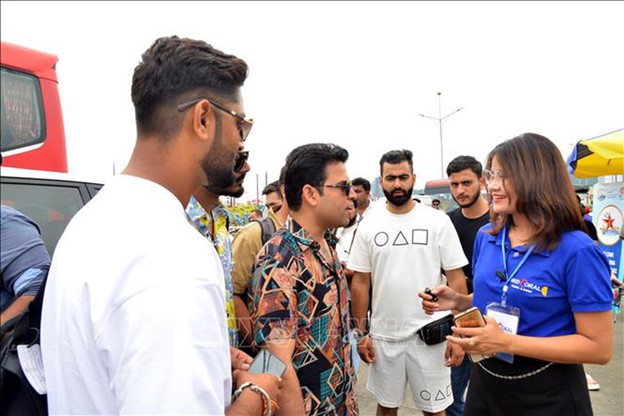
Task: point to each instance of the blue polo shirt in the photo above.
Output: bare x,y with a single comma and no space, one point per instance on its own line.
549,287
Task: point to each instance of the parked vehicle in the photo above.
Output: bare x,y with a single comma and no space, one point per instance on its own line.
33,136
50,198
441,190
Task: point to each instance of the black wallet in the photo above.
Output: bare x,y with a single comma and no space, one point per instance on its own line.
435,332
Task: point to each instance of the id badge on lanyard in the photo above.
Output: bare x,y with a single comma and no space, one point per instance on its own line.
508,317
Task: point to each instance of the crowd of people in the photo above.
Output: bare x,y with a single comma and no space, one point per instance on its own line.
166,316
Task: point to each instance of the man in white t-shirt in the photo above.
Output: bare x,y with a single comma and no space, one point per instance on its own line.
133,315
345,235
400,250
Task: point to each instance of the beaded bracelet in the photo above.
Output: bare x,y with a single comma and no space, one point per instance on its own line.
266,399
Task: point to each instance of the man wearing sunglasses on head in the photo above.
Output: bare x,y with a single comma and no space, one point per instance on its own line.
299,309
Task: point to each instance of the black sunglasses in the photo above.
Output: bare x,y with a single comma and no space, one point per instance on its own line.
346,187
244,125
241,158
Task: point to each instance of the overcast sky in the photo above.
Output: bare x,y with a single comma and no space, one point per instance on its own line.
355,73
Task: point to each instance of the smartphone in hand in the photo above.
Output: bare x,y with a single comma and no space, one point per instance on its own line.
470,318
266,362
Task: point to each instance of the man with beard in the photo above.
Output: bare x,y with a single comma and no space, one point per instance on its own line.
299,308
400,250
466,183
133,315
210,217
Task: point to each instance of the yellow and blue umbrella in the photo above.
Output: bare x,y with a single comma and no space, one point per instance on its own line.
598,156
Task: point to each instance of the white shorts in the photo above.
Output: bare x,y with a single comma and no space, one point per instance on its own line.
414,362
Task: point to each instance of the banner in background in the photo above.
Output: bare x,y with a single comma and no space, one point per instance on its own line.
608,217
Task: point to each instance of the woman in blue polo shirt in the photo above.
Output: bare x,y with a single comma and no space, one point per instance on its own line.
543,284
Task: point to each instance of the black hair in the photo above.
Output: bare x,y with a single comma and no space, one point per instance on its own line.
305,165
174,70
282,177
394,157
462,163
364,183
435,200
270,188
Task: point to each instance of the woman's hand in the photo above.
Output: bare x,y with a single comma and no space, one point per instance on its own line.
447,300
486,340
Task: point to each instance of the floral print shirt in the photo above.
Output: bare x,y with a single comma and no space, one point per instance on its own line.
214,226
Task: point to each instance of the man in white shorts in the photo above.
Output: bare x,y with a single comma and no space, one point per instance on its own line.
400,250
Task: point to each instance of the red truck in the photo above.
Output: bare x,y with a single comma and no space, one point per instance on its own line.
33,136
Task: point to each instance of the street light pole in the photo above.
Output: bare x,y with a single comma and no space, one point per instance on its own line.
440,119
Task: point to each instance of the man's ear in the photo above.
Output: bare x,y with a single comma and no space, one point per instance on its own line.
203,120
310,195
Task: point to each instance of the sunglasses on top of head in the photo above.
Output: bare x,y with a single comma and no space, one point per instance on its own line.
244,125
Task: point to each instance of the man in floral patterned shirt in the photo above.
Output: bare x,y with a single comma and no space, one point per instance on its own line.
211,219
299,308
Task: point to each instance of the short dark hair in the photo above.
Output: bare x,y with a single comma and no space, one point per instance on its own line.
174,70
462,163
364,183
435,200
394,157
305,165
270,188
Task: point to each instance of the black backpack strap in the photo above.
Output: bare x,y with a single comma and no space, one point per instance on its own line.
268,228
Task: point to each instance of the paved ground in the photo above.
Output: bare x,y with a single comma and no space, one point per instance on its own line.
608,401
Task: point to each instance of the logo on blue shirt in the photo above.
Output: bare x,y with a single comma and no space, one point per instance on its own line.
524,285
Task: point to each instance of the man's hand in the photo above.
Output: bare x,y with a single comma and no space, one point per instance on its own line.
365,349
454,355
269,382
249,402
240,360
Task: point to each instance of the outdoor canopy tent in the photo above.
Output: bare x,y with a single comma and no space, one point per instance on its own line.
599,156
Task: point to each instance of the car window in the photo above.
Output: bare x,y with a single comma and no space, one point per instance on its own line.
50,206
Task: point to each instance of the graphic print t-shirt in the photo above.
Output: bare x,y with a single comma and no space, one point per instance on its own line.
404,254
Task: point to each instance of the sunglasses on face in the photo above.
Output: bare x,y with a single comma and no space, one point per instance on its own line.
244,125
275,206
241,158
345,186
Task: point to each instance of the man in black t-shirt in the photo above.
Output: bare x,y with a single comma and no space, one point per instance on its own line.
591,228
466,182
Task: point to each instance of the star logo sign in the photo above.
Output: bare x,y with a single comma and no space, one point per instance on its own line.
609,222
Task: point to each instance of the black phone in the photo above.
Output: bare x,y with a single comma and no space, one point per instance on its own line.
266,362
434,298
